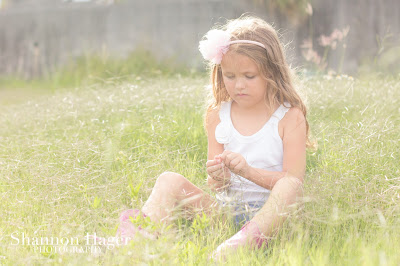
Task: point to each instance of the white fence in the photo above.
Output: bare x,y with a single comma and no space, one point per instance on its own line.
36,38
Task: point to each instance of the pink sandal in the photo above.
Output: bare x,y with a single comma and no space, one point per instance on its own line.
127,230
249,235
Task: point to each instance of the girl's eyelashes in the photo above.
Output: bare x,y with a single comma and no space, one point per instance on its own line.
232,77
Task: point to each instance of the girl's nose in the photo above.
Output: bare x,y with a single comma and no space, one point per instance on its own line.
240,85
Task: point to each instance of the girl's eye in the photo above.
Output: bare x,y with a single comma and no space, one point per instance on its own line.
250,77
230,77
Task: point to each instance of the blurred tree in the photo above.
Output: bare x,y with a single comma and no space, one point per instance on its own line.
296,11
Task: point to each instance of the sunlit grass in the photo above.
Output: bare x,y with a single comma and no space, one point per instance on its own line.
70,162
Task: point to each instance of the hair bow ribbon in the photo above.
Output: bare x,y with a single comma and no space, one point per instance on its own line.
215,46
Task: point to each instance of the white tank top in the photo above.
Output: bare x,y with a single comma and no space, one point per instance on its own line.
263,149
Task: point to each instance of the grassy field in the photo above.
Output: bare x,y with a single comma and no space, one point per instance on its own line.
71,161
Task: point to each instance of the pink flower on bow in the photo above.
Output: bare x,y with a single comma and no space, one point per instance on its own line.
216,45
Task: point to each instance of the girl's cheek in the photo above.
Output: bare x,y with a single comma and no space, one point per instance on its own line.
228,83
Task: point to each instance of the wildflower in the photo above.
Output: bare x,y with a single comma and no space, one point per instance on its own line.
307,44
312,56
333,39
325,41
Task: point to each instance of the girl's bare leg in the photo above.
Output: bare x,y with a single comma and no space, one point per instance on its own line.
268,219
281,201
173,190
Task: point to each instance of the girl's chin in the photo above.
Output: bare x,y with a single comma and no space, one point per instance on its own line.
244,97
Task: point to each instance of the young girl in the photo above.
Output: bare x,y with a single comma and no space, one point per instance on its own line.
257,137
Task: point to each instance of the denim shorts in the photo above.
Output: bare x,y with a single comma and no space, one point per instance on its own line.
242,212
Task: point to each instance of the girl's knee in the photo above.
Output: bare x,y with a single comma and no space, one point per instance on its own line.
290,183
291,180
171,179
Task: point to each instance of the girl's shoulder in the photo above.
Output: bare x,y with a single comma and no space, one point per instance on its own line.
294,114
217,113
212,117
293,119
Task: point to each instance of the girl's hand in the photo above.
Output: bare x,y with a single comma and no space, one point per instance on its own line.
217,170
235,162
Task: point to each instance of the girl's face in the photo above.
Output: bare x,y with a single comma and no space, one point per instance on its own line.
243,80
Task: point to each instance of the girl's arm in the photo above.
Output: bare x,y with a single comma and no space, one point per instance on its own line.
215,148
294,154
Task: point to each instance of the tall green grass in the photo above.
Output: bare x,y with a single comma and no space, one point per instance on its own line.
72,161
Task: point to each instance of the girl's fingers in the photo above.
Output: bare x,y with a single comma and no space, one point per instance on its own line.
229,158
238,167
218,158
229,162
224,154
226,172
217,174
213,168
211,162
218,171
234,163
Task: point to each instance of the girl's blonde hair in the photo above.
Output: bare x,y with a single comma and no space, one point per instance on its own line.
270,61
